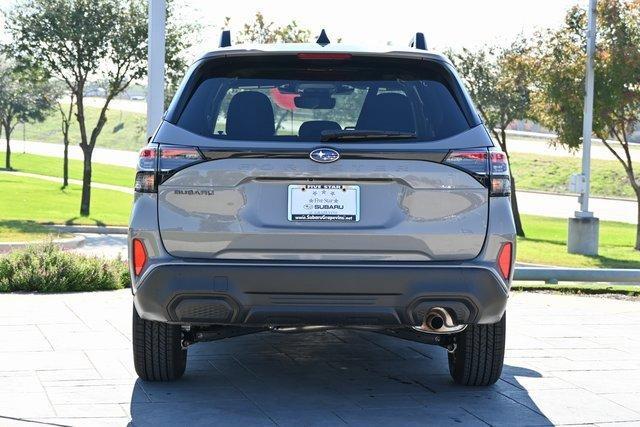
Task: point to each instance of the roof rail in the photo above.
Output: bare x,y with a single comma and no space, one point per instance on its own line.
225,38
323,40
418,41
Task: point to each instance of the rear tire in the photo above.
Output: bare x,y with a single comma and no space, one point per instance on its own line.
157,350
479,354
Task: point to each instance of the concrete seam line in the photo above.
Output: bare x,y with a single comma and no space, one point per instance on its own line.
92,229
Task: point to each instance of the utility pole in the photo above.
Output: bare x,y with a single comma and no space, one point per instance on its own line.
584,227
155,82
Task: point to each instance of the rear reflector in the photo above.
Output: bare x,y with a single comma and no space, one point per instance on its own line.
325,56
504,260
139,256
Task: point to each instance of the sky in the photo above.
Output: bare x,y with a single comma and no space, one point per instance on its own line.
448,23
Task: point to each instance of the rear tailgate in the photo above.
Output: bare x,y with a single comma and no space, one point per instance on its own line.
239,208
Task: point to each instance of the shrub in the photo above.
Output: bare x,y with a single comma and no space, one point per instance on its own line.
46,268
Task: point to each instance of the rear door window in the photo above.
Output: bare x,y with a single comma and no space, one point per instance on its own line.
290,99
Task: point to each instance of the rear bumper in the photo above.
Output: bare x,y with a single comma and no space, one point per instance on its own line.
282,293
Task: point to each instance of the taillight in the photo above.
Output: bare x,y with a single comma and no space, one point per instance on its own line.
146,173
165,160
475,162
500,177
490,167
139,256
504,260
174,158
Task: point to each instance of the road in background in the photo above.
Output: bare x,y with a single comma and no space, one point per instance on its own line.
543,147
563,206
133,106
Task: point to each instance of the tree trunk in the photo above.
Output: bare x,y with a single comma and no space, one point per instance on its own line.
281,119
515,210
7,161
85,201
514,201
87,151
66,124
65,165
638,221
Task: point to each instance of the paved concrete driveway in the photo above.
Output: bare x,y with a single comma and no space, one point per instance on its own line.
65,360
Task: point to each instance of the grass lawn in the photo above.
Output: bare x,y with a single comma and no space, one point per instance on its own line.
32,199
124,130
52,166
547,238
549,173
25,231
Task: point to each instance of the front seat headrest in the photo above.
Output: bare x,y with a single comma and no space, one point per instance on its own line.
314,128
250,115
387,112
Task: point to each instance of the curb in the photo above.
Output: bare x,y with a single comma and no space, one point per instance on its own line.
67,243
92,229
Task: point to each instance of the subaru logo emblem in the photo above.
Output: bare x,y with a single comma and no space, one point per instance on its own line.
324,155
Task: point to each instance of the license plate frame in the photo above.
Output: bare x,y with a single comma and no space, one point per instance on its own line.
323,203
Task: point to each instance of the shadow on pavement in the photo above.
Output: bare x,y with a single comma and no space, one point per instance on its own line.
328,378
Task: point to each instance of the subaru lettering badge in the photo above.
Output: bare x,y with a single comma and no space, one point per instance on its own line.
324,155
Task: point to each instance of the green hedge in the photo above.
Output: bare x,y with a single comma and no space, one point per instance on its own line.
46,268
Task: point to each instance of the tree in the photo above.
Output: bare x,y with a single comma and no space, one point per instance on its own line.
66,115
81,41
499,81
181,34
559,63
25,96
261,31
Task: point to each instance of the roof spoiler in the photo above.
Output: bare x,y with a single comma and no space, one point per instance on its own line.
225,38
418,41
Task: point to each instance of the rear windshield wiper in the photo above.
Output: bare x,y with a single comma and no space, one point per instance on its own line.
348,135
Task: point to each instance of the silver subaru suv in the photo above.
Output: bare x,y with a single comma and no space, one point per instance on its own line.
303,187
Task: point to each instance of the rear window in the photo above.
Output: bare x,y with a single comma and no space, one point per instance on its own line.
284,98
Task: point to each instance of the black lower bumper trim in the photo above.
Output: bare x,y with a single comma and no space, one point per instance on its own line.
290,294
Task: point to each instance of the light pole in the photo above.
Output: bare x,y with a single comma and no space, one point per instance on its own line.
584,227
155,82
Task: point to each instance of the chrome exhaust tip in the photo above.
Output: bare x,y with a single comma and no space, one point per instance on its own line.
435,321
439,321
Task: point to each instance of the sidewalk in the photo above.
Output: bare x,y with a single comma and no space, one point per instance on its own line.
65,359
106,156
